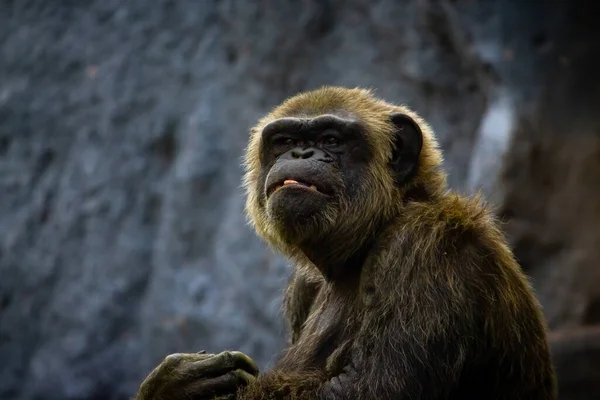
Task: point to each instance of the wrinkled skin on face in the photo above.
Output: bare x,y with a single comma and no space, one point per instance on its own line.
312,169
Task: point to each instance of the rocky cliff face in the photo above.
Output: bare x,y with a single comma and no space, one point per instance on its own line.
122,236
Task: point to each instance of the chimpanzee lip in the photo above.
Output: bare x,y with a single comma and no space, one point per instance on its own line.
297,183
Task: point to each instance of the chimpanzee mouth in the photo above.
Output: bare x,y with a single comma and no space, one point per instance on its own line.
289,183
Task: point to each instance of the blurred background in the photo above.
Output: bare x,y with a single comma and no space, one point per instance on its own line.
122,125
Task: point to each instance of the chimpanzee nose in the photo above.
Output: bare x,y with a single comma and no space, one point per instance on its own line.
303,153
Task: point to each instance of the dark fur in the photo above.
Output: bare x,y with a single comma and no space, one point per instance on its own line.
411,294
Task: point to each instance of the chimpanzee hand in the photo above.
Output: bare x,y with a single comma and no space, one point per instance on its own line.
198,376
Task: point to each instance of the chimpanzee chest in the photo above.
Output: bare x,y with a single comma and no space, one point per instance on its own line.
326,337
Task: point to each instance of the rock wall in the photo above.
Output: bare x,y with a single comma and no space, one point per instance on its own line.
122,237
551,180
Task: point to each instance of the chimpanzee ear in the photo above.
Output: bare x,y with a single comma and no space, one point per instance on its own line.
408,141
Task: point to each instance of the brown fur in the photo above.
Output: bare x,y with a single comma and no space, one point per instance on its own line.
438,307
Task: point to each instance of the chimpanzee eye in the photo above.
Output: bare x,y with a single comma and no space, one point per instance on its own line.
330,137
283,141
330,140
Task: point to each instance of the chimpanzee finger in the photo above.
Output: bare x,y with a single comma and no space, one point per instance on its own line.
167,374
220,386
220,364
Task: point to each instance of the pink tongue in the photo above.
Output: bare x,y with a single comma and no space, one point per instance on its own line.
293,182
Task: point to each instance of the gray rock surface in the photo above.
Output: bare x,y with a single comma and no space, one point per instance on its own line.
122,124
